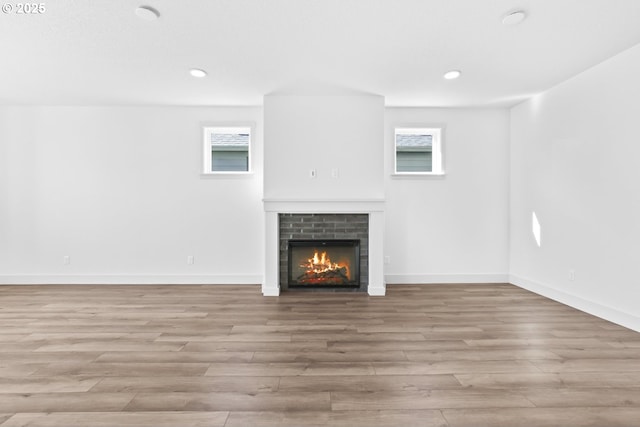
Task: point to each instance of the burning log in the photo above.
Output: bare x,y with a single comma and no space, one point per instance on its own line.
336,276
320,270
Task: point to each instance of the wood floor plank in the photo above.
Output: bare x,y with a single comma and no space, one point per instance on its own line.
61,384
64,402
536,342
44,357
297,321
368,383
328,356
120,419
602,379
291,328
76,336
288,369
596,353
122,369
18,370
453,367
13,337
481,354
420,329
271,337
584,397
405,418
512,380
351,337
102,346
18,347
301,346
626,343
422,345
542,417
589,365
174,357
431,399
589,333
230,401
157,384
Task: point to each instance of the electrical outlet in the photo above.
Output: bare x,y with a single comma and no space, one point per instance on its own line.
572,275
387,260
66,260
335,173
190,260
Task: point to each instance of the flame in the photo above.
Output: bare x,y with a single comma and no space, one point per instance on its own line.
320,263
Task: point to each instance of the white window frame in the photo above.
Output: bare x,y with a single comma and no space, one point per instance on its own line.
206,146
437,161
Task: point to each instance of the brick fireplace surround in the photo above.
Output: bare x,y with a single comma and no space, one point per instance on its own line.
314,226
336,214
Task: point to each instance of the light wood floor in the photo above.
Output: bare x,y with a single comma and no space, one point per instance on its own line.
448,355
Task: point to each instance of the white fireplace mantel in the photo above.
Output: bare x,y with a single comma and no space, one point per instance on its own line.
373,207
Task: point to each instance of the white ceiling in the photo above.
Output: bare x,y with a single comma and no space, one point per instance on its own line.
100,52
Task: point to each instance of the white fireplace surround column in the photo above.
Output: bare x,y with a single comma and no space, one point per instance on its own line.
373,207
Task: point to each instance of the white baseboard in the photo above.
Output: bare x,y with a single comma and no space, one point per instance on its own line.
619,317
413,279
129,279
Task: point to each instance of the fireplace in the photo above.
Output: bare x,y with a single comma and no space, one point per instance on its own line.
323,264
361,220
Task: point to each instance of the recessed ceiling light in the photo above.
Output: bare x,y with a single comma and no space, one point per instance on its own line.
147,13
453,74
514,18
196,72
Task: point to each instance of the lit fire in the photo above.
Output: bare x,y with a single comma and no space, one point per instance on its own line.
320,263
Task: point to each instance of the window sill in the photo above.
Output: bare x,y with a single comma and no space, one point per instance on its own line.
227,175
418,175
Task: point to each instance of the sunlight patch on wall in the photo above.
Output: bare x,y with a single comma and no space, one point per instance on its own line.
535,228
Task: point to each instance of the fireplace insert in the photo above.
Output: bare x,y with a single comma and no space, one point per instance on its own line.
324,264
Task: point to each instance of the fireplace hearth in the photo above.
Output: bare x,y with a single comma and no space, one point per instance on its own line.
323,263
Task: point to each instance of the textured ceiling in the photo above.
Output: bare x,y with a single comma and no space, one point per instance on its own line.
99,52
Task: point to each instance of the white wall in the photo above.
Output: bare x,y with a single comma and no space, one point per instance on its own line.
575,161
452,228
119,190
324,133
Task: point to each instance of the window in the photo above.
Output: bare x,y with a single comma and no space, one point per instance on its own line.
418,151
227,149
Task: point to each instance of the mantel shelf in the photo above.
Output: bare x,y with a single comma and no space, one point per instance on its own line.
299,200
324,205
